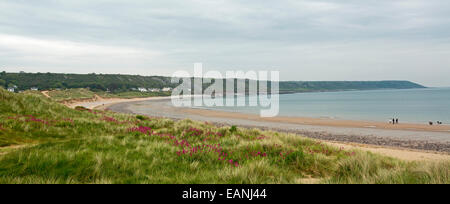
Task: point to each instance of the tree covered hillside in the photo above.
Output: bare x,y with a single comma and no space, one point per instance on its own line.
123,83
305,86
101,82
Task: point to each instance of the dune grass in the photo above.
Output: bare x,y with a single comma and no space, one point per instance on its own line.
62,145
71,94
83,94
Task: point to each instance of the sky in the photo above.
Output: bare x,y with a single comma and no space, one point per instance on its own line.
306,40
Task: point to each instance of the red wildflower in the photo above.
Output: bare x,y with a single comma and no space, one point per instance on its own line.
194,132
142,129
110,119
33,119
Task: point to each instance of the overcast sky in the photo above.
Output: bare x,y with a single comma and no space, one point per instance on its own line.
303,39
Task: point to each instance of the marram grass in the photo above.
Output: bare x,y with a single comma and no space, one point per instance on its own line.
84,94
42,141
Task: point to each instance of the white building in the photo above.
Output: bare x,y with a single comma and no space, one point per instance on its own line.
154,90
166,89
34,89
11,89
142,89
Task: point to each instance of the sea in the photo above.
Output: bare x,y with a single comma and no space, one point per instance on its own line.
408,105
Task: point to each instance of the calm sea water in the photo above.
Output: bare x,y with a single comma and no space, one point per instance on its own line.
412,105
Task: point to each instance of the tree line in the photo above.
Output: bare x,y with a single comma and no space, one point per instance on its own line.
122,83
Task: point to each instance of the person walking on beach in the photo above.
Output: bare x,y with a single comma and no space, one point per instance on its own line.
396,121
393,121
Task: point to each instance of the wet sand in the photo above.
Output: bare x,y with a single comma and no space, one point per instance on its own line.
403,154
402,136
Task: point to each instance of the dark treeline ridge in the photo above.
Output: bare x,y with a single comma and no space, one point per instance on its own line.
123,83
95,82
305,86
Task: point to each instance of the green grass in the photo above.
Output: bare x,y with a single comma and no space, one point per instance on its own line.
62,145
82,94
71,94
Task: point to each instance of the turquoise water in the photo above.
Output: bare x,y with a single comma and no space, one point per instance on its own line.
411,105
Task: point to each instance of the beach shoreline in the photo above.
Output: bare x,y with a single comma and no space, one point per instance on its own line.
280,119
321,121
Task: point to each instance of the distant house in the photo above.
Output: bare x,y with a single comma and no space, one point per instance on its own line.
154,90
34,89
142,89
12,88
166,89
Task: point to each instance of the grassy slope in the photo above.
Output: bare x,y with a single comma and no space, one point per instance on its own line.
81,146
71,94
81,94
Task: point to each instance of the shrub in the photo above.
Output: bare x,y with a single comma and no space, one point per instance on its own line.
141,117
233,129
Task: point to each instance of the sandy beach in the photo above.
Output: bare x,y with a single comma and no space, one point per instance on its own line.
103,103
412,142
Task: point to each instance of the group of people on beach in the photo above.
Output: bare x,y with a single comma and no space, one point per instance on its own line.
437,122
394,121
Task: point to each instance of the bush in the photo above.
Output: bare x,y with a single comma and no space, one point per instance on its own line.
233,129
141,117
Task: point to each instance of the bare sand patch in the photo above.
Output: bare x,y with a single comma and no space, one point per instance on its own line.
403,154
45,93
103,103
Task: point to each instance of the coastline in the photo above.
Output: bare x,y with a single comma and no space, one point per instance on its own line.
405,149
102,104
321,121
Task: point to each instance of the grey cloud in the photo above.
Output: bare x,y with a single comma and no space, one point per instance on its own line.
351,40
